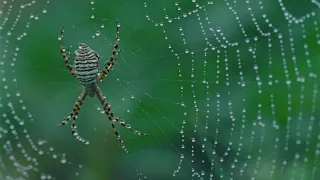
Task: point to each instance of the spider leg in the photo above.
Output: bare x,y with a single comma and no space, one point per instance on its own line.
113,58
74,131
66,120
128,126
107,110
76,108
65,56
74,116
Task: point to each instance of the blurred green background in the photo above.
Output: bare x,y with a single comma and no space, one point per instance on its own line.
226,90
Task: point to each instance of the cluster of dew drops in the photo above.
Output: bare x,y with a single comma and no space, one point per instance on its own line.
92,16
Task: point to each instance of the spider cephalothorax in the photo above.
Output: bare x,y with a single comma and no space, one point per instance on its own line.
86,70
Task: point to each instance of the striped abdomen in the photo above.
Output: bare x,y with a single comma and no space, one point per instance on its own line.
86,64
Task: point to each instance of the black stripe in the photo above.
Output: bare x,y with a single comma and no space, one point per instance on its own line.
86,57
86,51
84,77
85,69
87,80
83,66
87,75
86,65
78,62
93,54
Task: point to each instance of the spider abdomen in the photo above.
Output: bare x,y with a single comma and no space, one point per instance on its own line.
86,64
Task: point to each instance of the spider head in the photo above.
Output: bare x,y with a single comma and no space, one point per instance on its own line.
83,46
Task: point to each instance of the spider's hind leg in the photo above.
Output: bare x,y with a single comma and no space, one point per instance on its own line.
107,110
66,120
74,116
128,126
75,133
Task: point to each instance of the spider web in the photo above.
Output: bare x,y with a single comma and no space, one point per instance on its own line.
226,90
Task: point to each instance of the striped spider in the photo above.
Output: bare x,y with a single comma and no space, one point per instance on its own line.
86,70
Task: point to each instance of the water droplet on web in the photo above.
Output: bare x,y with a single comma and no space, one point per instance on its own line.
63,160
97,33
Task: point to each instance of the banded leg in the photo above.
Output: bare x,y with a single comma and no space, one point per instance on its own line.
113,58
65,57
66,120
74,130
128,126
107,110
74,116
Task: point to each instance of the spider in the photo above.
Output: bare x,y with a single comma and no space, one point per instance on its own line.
86,70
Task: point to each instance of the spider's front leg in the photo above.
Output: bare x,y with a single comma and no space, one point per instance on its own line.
113,58
74,115
65,57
